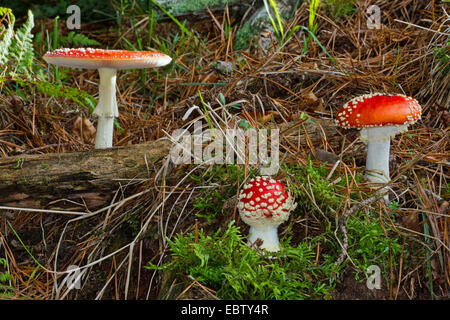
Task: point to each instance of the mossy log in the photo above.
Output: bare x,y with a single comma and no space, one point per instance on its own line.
200,9
85,177
90,178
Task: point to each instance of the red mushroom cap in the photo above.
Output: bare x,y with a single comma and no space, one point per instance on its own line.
88,58
264,201
376,110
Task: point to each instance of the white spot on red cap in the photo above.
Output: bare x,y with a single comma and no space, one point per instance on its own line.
90,58
374,110
269,203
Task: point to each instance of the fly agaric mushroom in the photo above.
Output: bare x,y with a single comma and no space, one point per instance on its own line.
264,204
107,62
380,116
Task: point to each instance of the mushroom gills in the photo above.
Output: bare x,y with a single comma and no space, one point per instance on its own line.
373,134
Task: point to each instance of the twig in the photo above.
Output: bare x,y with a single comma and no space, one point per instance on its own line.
423,28
343,223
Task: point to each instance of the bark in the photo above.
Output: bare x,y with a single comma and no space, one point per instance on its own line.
35,181
90,178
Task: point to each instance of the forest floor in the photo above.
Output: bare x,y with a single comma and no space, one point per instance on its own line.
178,234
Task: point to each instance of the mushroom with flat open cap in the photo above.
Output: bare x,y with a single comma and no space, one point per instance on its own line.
264,204
107,62
380,117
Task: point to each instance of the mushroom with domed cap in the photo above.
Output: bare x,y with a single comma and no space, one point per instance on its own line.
107,62
380,117
264,204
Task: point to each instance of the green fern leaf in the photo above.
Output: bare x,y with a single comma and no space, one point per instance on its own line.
59,91
7,35
76,40
21,51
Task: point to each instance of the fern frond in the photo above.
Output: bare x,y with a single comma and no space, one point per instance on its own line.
72,40
76,40
59,91
56,90
21,51
6,36
5,43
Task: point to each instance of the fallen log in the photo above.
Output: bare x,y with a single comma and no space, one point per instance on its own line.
90,178
35,181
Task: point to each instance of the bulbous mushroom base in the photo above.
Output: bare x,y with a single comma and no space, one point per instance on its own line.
264,237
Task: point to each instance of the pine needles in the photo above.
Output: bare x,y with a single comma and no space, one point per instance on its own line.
169,221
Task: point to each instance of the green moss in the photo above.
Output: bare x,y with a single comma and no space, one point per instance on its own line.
6,291
209,203
340,8
368,245
225,263
248,32
188,6
443,57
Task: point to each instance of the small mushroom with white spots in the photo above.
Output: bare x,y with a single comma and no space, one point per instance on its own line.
380,117
264,204
107,62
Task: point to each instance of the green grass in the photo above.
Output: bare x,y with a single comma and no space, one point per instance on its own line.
278,24
313,9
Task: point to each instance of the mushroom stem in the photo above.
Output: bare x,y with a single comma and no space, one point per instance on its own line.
268,234
104,135
106,108
377,163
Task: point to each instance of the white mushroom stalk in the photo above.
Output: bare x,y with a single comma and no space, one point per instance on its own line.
380,117
264,204
106,109
107,62
378,141
268,234
377,161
